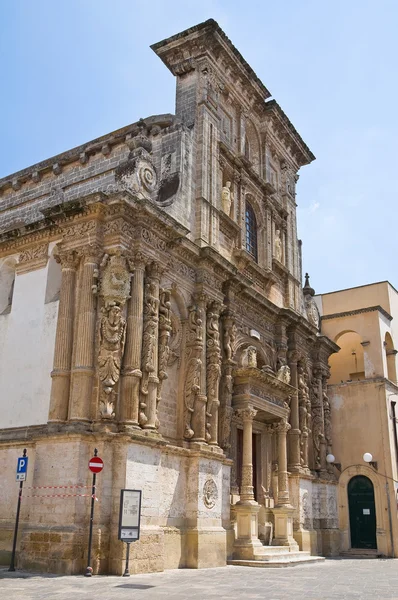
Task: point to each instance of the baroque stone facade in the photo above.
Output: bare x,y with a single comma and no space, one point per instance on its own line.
155,276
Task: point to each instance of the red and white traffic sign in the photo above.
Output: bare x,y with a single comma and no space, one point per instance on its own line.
96,464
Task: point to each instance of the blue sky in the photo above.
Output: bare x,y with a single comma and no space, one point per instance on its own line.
72,71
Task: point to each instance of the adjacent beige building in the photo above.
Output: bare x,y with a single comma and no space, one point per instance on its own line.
363,394
151,305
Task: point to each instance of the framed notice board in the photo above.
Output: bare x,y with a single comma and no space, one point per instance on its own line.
130,515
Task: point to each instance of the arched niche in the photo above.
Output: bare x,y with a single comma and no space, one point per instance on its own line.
240,355
7,280
54,276
347,364
390,356
252,149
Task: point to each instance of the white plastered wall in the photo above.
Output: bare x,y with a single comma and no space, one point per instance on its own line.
27,336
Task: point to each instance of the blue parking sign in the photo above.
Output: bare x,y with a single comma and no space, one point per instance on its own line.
22,468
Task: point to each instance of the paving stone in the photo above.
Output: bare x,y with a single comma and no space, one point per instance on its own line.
345,579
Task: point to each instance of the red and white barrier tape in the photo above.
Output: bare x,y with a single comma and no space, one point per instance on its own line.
60,496
57,487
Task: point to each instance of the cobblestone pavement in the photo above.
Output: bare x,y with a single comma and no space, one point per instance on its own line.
334,579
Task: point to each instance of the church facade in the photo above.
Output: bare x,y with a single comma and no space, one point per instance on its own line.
151,307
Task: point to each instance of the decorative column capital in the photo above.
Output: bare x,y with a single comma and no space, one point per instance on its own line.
68,259
90,253
137,261
293,356
282,427
154,270
246,414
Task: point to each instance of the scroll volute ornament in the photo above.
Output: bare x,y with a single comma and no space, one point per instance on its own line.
114,289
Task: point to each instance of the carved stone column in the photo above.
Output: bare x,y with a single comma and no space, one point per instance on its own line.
283,511
192,390
294,433
150,381
226,388
60,386
247,490
83,367
247,546
199,415
165,329
327,422
131,372
283,479
213,364
318,430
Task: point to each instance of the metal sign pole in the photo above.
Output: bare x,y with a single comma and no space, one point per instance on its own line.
89,569
14,544
126,571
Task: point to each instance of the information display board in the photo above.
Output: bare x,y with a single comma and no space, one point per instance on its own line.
130,515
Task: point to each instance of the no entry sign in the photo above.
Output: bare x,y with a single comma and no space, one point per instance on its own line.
96,464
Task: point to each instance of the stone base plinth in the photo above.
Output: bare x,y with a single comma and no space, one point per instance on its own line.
307,540
247,544
283,527
205,548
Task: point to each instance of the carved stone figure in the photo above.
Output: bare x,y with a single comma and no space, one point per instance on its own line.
249,357
210,493
115,280
278,246
318,435
151,318
226,198
194,367
229,336
304,412
112,340
284,374
165,329
213,374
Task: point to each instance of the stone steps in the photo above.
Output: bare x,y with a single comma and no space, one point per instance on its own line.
279,561
277,556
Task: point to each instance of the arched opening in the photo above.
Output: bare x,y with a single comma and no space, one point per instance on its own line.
251,231
362,510
252,146
7,280
390,355
54,276
347,364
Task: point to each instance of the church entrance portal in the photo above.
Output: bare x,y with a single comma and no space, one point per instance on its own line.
361,503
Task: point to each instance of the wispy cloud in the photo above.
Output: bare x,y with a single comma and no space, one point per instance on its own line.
314,207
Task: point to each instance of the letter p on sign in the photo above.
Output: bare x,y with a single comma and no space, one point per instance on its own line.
22,468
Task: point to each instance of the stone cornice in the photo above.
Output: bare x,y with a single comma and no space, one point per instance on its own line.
285,128
208,38
358,311
83,152
252,373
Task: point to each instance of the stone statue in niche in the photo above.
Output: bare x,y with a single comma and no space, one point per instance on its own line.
283,374
278,246
249,357
114,288
226,198
229,337
112,340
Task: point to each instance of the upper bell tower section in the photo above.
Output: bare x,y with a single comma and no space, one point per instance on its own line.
203,59
245,159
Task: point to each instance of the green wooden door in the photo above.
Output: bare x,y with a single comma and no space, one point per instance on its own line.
361,502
